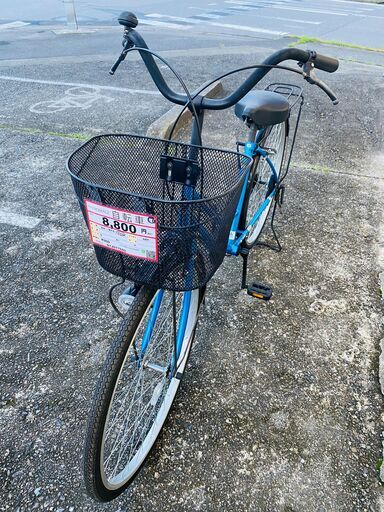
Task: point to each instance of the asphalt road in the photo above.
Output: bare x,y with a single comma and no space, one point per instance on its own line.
342,20
280,409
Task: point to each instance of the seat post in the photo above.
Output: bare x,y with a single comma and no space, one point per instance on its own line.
252,133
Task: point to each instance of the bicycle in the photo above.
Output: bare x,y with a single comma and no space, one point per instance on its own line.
163,214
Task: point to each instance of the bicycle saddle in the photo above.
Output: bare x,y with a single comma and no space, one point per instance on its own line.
262,108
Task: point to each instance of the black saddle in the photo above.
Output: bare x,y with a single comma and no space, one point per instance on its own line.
262,108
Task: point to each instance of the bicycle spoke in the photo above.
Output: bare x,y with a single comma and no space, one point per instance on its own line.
123,425
275,144
139,393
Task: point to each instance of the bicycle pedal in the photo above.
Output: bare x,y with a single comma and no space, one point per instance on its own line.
259,291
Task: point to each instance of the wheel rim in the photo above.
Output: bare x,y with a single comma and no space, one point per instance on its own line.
276,142
142,396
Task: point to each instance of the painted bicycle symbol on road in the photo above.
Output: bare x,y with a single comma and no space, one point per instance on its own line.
82,97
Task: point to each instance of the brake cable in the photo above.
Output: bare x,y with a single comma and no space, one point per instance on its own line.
228,73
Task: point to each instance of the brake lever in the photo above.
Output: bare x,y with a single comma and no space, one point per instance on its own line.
127,45
323,86
310,76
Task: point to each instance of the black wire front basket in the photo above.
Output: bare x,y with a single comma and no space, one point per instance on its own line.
159,212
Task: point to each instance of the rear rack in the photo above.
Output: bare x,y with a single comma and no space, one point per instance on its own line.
292,93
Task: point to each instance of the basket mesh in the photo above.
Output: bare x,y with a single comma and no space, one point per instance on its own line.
123,171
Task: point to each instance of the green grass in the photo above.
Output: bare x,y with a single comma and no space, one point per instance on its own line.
308,39
38,131
379,463
314,167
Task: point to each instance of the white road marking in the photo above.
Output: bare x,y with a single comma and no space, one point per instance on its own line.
372,16
344,8
225,25
199,8
175,18
289,19
209,16
146,21
255,5
241,7
355,3
348,12
73,84
15,219
240,2
367,16
250,29
75,97
307,10
13,24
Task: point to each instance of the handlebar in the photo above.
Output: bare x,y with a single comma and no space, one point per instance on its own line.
306,58
118,62
325,63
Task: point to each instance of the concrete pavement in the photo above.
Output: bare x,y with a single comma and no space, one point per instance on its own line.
342,20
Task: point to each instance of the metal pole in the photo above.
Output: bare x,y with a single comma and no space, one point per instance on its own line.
71,14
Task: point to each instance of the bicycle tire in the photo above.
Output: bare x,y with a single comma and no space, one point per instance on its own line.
255,196
106,390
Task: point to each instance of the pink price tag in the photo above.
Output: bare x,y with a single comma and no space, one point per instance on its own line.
131,233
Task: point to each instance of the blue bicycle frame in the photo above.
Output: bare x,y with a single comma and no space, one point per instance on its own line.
236,235
187,193
180,333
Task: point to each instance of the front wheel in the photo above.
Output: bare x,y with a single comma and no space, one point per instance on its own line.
137,387
261,182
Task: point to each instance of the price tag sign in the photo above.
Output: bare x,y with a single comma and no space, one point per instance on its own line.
131,233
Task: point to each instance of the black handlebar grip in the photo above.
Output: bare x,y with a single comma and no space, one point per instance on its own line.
328,64
118,62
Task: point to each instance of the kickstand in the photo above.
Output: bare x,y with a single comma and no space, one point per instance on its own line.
257,290
244,254
278,201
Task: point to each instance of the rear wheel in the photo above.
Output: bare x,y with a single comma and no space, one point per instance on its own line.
261,181
136,388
